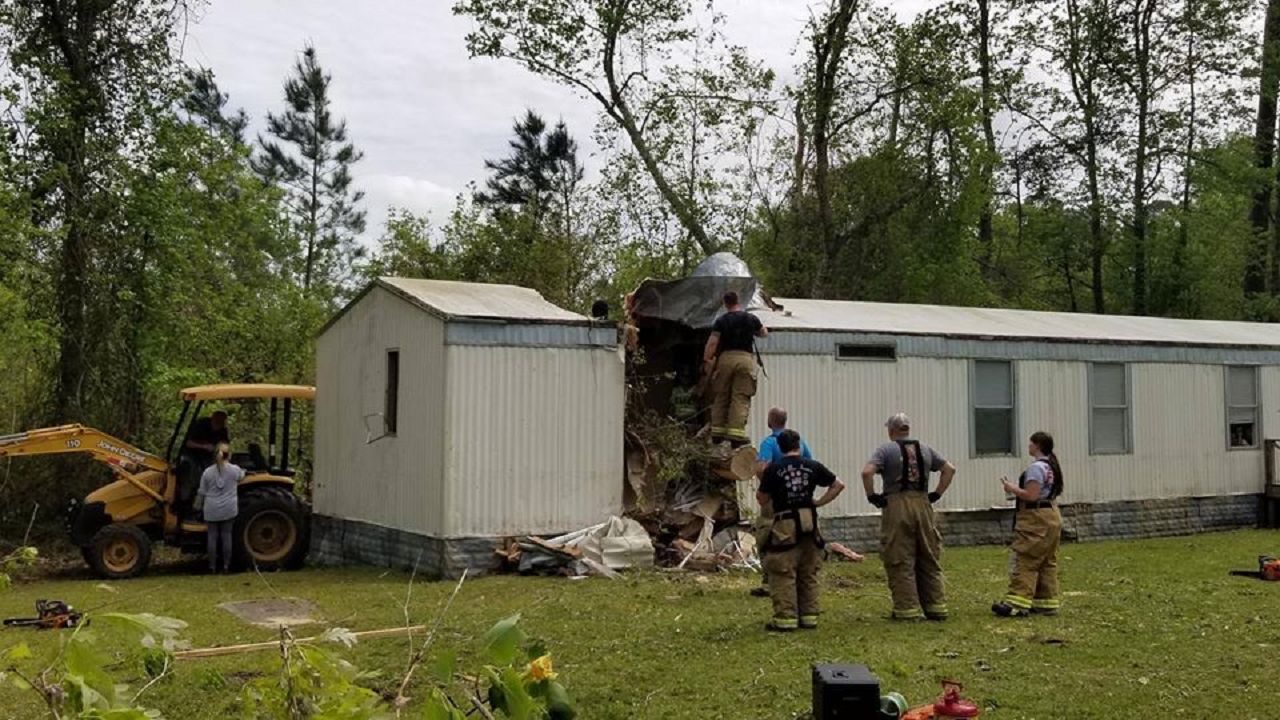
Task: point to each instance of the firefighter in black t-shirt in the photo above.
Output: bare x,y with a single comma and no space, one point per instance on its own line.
729,360
793,549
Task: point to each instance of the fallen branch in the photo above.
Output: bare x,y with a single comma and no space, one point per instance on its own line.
199,653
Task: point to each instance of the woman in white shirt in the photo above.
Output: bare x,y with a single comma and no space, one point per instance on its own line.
219,500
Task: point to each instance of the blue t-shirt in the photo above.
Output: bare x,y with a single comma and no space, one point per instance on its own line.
771,453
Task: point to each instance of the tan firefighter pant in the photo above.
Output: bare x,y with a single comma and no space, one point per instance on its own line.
764,525
733,384
1033,567
911,549
793,583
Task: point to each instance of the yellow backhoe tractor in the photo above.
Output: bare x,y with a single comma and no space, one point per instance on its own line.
151,499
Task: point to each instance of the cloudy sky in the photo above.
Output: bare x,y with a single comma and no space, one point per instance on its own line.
425,114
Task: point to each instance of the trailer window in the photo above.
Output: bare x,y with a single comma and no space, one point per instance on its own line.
1242,407
393,392
1109,419
860,351
992,397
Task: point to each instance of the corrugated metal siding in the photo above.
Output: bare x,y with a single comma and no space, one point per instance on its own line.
394,481
1179,425
534,439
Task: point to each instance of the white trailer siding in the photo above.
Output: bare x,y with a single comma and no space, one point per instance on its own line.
394,481
509,416
1178,418
534,439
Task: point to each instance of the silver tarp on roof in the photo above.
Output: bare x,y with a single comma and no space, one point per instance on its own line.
696,300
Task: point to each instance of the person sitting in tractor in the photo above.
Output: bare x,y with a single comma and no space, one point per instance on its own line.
202,440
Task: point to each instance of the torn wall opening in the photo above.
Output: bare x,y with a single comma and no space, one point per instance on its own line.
691,495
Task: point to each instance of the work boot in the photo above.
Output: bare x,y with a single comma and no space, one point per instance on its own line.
1004,609
782,625
1044,611
760,591
808,622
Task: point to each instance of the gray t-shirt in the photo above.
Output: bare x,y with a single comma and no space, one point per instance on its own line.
1042,472
887,460
218,487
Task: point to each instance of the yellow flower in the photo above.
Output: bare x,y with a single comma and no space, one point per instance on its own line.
540,669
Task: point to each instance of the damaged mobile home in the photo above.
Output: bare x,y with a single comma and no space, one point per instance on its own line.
451,416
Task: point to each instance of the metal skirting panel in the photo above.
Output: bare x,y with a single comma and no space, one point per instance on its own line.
1178,421
534,439
789,342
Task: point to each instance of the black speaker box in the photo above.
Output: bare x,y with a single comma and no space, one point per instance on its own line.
845,692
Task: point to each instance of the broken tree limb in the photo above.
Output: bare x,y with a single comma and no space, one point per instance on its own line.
199,653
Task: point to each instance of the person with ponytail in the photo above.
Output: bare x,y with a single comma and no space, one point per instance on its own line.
218,498
1037,531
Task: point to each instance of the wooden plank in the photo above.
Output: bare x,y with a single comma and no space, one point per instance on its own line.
253,647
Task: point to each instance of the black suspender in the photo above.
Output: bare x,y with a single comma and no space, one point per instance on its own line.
922,480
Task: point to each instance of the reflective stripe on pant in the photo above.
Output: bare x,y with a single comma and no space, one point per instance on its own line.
733,384
911,550
793,582
1033,566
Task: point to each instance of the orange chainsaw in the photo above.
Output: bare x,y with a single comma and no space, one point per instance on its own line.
50,615
1268,569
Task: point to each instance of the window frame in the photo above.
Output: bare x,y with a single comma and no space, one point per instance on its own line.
1127,407
391,393
1257,405
1012,408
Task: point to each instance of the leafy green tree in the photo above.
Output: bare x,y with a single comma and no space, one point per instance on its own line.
310,159
92,76
648,66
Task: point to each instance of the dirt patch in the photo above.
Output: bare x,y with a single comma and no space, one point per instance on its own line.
273,612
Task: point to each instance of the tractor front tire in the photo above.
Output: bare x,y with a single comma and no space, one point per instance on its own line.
118,551
272,529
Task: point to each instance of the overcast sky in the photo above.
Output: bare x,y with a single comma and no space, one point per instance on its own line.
425,115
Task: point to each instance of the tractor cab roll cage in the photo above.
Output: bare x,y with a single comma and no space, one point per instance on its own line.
233,393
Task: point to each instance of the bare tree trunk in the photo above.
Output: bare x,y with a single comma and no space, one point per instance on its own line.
1184,230
1142,14
619,109
75,39
1264,142
986,240
828,49
1082,66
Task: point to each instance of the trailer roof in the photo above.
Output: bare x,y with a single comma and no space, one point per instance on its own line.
1030,325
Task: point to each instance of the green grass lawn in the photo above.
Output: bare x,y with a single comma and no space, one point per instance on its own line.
1146,624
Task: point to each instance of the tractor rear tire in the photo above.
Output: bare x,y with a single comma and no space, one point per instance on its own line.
118,551
272,530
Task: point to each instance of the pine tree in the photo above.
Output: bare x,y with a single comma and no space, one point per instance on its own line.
205,104
310,159
542,165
